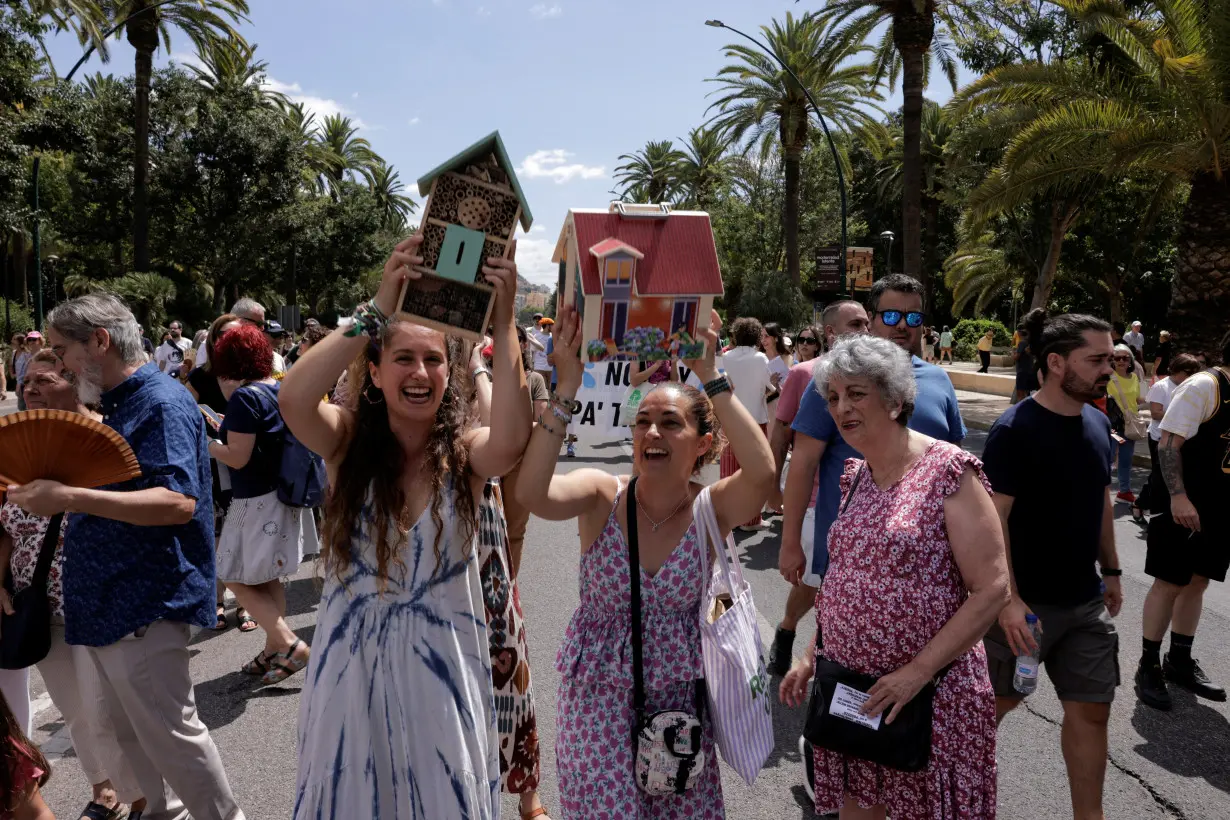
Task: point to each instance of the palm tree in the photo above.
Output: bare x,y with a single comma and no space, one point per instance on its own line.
351,155
206,23
83,17
1160,105
918,32
652,172
394,206
761,105
231,66
979,272
703,169
319,158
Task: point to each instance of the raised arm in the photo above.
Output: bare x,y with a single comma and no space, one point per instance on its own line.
563,496
741,496
326,428
639,375
495,450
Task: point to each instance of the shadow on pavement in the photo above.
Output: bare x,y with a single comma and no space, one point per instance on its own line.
760,548
225,698
1192,740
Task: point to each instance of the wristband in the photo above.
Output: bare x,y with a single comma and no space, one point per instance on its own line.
542,423
480,371
718,386
1108,572
571,405
367,318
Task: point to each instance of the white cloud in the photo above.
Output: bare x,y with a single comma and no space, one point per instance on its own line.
186,59
354,96
534,252
483,11
544,12
414,120
322,107
553,164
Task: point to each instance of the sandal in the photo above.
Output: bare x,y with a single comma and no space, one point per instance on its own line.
284,664
538,812
97,811
246,624
221,625
257,666
1138,515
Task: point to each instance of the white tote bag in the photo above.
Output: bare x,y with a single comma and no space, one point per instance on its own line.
735,676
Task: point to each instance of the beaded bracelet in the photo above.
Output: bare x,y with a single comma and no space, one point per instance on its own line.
561,413
542,422
556,398
367,318
716,387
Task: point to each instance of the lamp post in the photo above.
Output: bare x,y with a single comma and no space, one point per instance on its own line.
37,237
841,177
887,238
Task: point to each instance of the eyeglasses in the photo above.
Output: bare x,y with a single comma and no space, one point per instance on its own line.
892,318
807,340
1122,358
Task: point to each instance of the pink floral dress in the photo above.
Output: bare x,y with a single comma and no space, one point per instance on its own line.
27,532
892,584
595,715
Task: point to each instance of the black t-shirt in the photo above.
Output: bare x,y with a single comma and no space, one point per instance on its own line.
1057,470
1163,353
253,409
206,386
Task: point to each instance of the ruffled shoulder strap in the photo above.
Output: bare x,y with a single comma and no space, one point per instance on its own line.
953,462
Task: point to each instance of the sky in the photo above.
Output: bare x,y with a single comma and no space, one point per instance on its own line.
569,84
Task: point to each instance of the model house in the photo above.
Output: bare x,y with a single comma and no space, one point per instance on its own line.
474,205
640,276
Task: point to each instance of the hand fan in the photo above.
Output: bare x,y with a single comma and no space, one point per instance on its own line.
63,446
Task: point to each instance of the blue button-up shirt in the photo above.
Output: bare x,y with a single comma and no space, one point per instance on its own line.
120,577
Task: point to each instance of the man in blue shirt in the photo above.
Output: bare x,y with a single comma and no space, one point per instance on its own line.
139,562
896,312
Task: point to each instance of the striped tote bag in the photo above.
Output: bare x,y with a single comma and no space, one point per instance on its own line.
735,675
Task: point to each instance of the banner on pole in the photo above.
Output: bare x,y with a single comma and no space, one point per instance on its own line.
603,388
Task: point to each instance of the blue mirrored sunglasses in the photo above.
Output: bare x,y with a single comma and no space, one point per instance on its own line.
892,318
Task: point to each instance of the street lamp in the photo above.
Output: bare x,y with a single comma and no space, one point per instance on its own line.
841,177
38,233
887,238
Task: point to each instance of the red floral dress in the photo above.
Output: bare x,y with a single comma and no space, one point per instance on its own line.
892,584
27,532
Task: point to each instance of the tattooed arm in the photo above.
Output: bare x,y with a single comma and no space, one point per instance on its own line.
1170,461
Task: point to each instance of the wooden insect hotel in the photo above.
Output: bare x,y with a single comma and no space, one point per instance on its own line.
474,204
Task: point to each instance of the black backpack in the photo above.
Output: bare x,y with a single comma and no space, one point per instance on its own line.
302,479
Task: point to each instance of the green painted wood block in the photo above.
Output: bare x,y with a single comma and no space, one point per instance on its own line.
461,254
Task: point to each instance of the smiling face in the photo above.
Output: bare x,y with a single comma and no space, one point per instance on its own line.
902,335
47,389
413,372
1122,362
858,408
666,441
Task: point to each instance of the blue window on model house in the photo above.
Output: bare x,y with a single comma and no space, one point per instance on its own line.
618,270
684,316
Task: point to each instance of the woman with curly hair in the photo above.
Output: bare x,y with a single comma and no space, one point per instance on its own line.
678,430
263,539
396,716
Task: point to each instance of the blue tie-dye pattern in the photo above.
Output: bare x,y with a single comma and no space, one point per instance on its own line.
398,693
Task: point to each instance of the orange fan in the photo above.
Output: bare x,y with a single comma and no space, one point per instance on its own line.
63,446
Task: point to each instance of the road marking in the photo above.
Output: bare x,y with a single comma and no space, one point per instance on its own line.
40,703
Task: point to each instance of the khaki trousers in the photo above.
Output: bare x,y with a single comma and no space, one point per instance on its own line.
72,683
146,689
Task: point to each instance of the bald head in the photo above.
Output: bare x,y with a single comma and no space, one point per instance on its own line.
843,318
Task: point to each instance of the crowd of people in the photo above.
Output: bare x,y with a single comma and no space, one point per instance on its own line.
931,572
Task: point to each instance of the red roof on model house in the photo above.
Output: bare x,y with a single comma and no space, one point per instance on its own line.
675,254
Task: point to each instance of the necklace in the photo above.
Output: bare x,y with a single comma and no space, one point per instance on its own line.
657,525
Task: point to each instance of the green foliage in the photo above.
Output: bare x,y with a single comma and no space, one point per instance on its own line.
966,334
20,319
770,296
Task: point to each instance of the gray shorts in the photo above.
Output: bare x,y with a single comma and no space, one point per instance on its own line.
1080,651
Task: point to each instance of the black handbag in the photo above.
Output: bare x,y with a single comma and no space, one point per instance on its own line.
25,636
905,744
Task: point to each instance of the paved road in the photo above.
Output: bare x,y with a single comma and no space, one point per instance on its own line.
1162,766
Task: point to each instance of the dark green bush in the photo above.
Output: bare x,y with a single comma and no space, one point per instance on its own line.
967,333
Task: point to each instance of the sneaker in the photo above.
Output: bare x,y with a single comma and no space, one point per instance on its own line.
1193,679
1151,687
572,451
1129,497
781,655
809,768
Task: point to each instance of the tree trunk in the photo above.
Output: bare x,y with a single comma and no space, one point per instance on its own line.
143,36
1200,294
930,260
912,34
790,219
1063,214
21,261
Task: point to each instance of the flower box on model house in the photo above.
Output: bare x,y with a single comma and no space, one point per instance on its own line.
641,277
474,203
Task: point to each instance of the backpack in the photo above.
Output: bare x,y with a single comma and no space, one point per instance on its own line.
302,480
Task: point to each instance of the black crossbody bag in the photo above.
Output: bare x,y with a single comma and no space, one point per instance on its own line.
667,745
25,636
904,745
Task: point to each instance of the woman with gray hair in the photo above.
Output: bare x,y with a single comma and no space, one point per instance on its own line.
917,575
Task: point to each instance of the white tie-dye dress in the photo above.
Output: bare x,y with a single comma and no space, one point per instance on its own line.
396,720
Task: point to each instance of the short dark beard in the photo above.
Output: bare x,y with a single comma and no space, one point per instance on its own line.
1081,390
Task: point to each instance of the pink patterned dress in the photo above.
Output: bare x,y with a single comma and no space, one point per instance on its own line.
595,718
892,584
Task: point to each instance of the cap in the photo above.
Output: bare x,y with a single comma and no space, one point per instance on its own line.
274,328
537,317
311,323
547,322
33,334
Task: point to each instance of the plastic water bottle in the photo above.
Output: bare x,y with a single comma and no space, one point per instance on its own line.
1025,680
